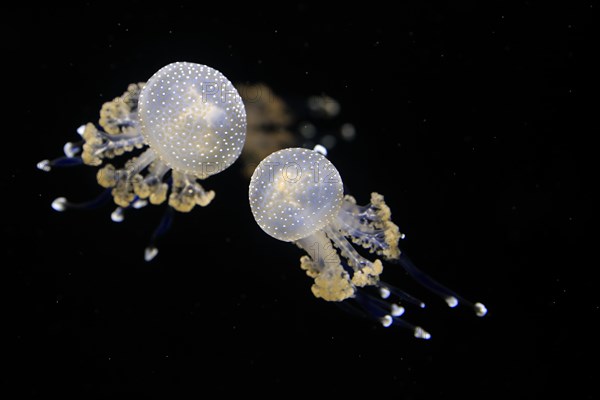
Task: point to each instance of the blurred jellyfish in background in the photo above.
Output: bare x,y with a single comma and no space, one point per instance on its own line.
269,125
296,195
185,124
275,123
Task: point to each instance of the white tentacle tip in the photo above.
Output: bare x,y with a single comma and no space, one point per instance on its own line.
397,310
480,310
80,130
386,321
150,253
44,165
321,149
117,215
421,333
384,292
451,301
70,150
139,203
59,204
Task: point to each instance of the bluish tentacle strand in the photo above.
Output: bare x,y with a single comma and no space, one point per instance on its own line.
70,159
452,298
387,314
118,215
62,204
385,290
60,162
162,228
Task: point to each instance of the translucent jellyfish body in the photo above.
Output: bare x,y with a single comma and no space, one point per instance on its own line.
296,195
190,122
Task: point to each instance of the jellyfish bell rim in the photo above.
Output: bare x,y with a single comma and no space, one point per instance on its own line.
159,148
335,205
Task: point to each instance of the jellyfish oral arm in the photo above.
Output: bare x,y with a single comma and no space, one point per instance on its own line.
365,272
331,281
99,145
187,193
370,226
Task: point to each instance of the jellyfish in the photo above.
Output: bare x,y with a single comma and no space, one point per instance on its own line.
185,124
296,195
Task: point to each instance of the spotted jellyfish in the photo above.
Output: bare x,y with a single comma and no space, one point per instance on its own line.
296,195
188,122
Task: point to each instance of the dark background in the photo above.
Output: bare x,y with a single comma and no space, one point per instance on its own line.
475,122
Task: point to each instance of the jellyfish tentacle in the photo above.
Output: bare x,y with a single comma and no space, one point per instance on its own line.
452,298
163,227
123,181
151,186
386,290
121,113
187,193
99,145
370,226
366,273
70,159
386,313
61,204
60,162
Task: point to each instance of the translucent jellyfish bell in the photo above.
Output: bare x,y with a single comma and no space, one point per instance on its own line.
296,195
193,118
